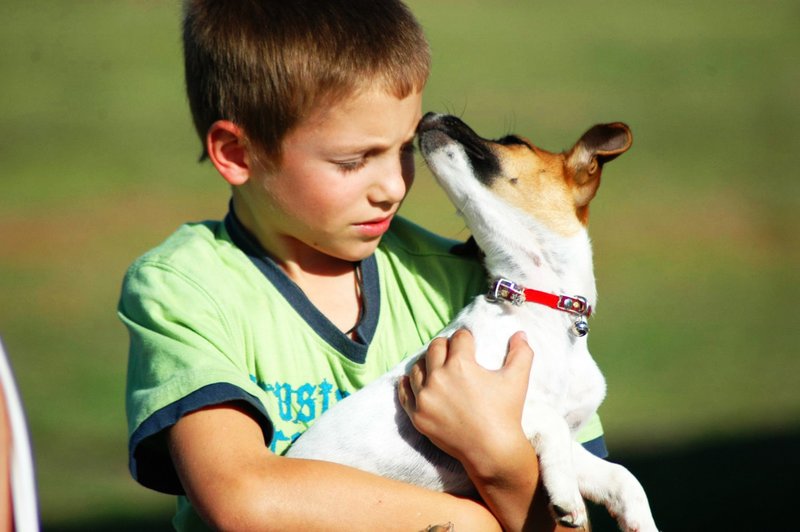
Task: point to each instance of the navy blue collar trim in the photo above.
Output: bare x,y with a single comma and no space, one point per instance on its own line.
371,295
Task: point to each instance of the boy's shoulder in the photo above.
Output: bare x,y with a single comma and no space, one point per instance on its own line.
195,248
407,237
187,239
418,256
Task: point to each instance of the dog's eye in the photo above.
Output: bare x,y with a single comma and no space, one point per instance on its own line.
511,140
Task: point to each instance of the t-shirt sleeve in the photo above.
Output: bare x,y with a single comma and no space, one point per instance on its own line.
592,438
183,356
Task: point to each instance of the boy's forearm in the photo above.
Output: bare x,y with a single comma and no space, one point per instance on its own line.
334,497
292,494
235,483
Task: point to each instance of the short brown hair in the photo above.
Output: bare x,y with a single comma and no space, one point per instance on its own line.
266,64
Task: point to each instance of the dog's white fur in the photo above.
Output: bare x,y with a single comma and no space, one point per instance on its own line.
370,430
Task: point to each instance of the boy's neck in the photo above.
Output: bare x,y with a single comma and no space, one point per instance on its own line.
337,297
297,259
329,283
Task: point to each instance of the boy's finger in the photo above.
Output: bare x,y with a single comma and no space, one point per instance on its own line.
416,375
436,354
520,354
461,343
407,399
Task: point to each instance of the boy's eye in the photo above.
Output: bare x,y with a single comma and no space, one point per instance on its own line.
407,150
351,166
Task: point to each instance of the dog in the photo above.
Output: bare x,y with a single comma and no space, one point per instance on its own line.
527,210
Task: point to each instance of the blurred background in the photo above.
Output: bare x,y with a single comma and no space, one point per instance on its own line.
695,229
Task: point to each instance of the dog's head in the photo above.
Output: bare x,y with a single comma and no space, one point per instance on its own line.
553,188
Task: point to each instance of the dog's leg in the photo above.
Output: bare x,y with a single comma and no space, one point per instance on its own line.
550,436
616,488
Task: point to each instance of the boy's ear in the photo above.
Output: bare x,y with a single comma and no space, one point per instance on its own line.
227,149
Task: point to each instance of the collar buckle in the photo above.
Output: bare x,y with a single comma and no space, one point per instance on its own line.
574,305
505,290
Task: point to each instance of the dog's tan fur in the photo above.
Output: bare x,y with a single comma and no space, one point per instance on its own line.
554,187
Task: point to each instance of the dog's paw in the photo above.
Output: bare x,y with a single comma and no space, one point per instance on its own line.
571,515
643,523
566,502
630,507
634,515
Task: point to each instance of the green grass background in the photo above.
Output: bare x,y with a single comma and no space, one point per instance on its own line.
695,229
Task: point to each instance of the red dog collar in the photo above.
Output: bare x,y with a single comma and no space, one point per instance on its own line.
505,290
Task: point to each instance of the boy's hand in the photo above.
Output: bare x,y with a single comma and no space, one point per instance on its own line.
471,413
475,415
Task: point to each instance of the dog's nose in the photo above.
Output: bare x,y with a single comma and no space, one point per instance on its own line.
428,121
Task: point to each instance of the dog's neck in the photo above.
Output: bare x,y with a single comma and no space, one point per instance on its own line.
523,250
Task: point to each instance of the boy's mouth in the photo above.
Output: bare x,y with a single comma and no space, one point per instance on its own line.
376,227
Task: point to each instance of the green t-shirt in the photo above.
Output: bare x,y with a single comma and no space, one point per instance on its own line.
213,320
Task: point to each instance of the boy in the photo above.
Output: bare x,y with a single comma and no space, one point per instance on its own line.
243,331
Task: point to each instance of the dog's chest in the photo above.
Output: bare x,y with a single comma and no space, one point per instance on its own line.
564,375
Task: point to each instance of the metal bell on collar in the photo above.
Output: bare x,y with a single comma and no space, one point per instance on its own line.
579,328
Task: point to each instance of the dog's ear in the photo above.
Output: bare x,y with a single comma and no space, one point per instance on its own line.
600,144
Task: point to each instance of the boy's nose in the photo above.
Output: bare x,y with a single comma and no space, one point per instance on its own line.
393,183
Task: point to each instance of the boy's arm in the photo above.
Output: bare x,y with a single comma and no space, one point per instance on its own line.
446,397
236,483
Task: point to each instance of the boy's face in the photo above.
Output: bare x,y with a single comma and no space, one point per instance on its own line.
343,173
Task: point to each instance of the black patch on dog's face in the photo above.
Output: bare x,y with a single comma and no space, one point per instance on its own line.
483,160
512,140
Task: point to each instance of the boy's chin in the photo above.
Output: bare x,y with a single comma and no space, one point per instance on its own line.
358,252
